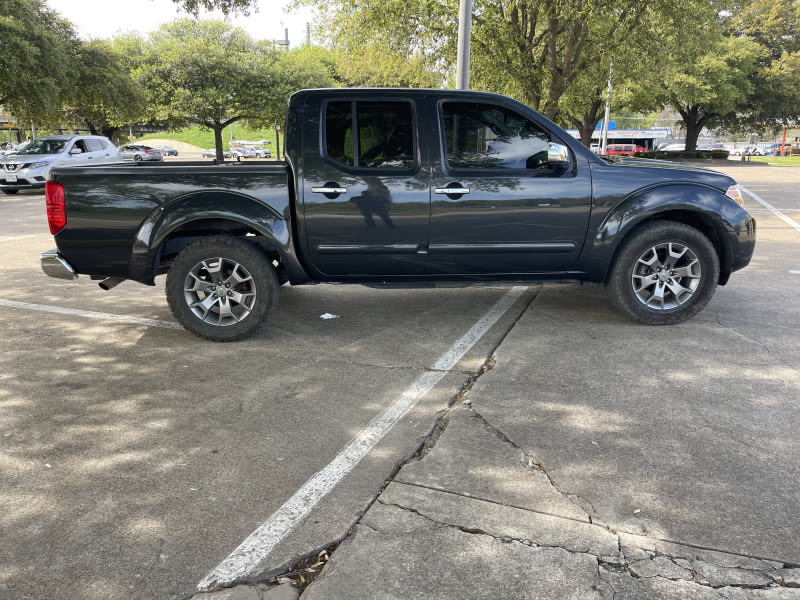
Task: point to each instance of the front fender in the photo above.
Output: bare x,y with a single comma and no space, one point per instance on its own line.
270,221
729,226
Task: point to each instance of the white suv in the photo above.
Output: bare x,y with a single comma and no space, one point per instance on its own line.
30,168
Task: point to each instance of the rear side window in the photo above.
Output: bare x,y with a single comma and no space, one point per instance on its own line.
370,134
95,145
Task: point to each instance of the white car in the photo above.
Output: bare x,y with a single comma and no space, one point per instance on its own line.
30,167
748,151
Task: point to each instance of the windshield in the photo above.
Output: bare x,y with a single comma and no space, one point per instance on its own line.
43,146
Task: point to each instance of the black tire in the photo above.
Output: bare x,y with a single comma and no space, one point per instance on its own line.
222,288
10,192
137,158
665,273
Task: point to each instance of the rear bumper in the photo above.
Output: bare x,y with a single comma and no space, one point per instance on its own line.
55,265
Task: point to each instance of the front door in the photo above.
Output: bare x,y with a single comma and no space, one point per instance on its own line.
500,206
366,191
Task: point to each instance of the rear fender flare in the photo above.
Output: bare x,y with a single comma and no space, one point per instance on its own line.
252,214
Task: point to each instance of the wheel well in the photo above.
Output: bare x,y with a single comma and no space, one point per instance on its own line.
191,232
705,225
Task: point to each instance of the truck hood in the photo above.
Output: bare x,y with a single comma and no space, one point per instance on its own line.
660,170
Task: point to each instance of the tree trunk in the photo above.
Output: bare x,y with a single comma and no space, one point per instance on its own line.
694,124
218,141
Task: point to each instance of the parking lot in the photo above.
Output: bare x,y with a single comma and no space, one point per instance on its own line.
137,458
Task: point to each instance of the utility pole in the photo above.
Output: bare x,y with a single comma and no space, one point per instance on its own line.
604,145
464,33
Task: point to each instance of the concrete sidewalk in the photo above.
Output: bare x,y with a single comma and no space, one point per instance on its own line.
565,474
596,459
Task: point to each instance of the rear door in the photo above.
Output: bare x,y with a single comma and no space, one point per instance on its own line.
366,187
101,150
500,207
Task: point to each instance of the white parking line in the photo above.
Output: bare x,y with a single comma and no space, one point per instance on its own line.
89,314
263,540
772,209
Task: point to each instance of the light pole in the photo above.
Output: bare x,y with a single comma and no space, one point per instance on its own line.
604,145
464,33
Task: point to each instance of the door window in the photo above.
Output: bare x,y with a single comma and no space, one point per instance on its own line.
94,145
485,136
370,135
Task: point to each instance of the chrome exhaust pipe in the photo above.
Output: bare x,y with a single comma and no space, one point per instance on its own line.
110,282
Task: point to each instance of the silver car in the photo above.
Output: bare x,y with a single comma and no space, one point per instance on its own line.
30,167
139,153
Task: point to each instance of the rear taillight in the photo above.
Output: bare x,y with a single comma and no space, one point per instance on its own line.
56,208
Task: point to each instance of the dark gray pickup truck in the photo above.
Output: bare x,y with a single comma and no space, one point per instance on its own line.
397,187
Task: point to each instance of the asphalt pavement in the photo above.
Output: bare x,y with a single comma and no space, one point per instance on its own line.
570,453
593,458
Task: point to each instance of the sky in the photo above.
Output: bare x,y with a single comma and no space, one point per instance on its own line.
106,18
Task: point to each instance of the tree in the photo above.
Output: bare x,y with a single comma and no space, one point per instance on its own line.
539,48
104,95
37,63
193,7
715,83
372,66
697,67
775,26
213,75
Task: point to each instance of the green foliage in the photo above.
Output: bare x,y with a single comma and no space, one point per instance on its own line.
397,43
211,74
193,7
104,95
687,154
775,99
37,61
373,66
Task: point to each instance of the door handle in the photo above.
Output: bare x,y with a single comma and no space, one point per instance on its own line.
329,190
454,190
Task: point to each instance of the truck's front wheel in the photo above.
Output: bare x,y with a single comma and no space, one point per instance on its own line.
222,288
664,274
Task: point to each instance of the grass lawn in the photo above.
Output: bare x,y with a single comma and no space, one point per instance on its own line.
780,161
204,138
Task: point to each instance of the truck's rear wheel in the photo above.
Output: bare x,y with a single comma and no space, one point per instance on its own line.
222,288
664,274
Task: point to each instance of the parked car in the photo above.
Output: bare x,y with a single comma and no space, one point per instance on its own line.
624,149
262,152
139,153
30,167
244,152
402,187
672,148
9,148
212,153
167,151
715,147
751,150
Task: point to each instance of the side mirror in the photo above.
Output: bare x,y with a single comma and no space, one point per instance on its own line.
557,156
75,151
